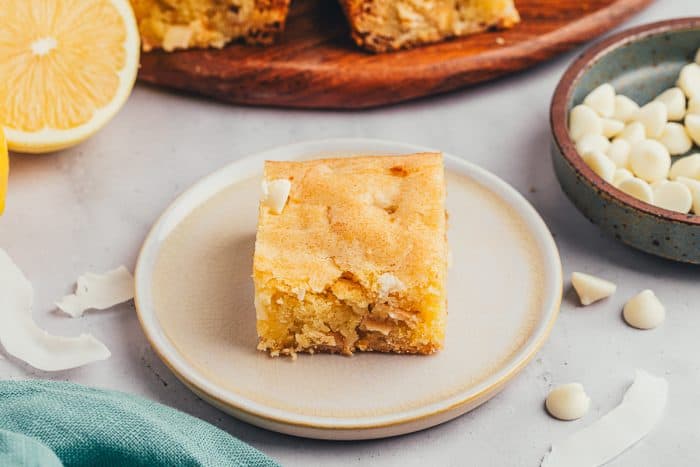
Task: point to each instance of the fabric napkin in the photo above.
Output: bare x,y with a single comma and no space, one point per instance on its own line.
49,424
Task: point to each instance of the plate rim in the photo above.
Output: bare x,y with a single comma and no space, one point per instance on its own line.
252,410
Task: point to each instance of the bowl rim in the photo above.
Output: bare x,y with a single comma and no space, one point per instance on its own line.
564,90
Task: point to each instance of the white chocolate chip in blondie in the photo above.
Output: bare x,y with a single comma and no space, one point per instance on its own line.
674,100
300,292
584,121
377,326
276,194
602,100
694,187
177,37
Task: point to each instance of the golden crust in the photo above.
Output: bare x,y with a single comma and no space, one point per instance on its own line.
386,25
182,24
357,258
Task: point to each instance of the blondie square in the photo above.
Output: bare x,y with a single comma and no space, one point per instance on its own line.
182,24
355,259
385,25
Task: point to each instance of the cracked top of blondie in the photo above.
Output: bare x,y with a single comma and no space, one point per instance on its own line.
374,221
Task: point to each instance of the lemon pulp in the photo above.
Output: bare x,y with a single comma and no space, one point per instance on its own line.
67,66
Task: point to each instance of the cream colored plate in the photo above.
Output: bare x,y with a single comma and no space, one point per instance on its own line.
195,302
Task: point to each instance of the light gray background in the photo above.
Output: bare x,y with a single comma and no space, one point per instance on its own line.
89,209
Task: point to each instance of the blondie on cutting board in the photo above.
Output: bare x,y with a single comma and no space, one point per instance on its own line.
385,25
182,24
354,258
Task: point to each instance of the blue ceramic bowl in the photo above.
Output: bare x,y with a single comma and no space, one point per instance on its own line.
640,63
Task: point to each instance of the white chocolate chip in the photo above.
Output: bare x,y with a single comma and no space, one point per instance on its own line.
584,121
592,143
277,194
674,100
694,187
300,292
633,132
381,327
177,37
612,127
637,188
625,109
389,283
650,160
688,166
602,100
689,80
694,106
674,196
676,139
620,176
568,402
644,311
619,152
600,164
590,288
382,200
654,117
692,126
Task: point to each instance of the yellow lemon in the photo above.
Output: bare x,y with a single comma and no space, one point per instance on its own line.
4,170
66,68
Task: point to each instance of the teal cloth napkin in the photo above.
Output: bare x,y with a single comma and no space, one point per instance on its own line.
49,423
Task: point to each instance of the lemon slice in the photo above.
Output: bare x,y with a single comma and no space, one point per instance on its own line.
66,68
4,170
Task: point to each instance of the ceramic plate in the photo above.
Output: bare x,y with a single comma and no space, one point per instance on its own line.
195,302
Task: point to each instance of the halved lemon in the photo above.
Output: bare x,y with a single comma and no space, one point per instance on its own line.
4,170
66,68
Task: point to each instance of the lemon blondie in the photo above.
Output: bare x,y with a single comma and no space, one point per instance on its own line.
351,255
181,24
385,25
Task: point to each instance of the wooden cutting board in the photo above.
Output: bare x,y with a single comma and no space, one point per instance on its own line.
316,64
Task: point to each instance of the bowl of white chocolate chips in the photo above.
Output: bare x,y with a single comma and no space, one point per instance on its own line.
625,122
